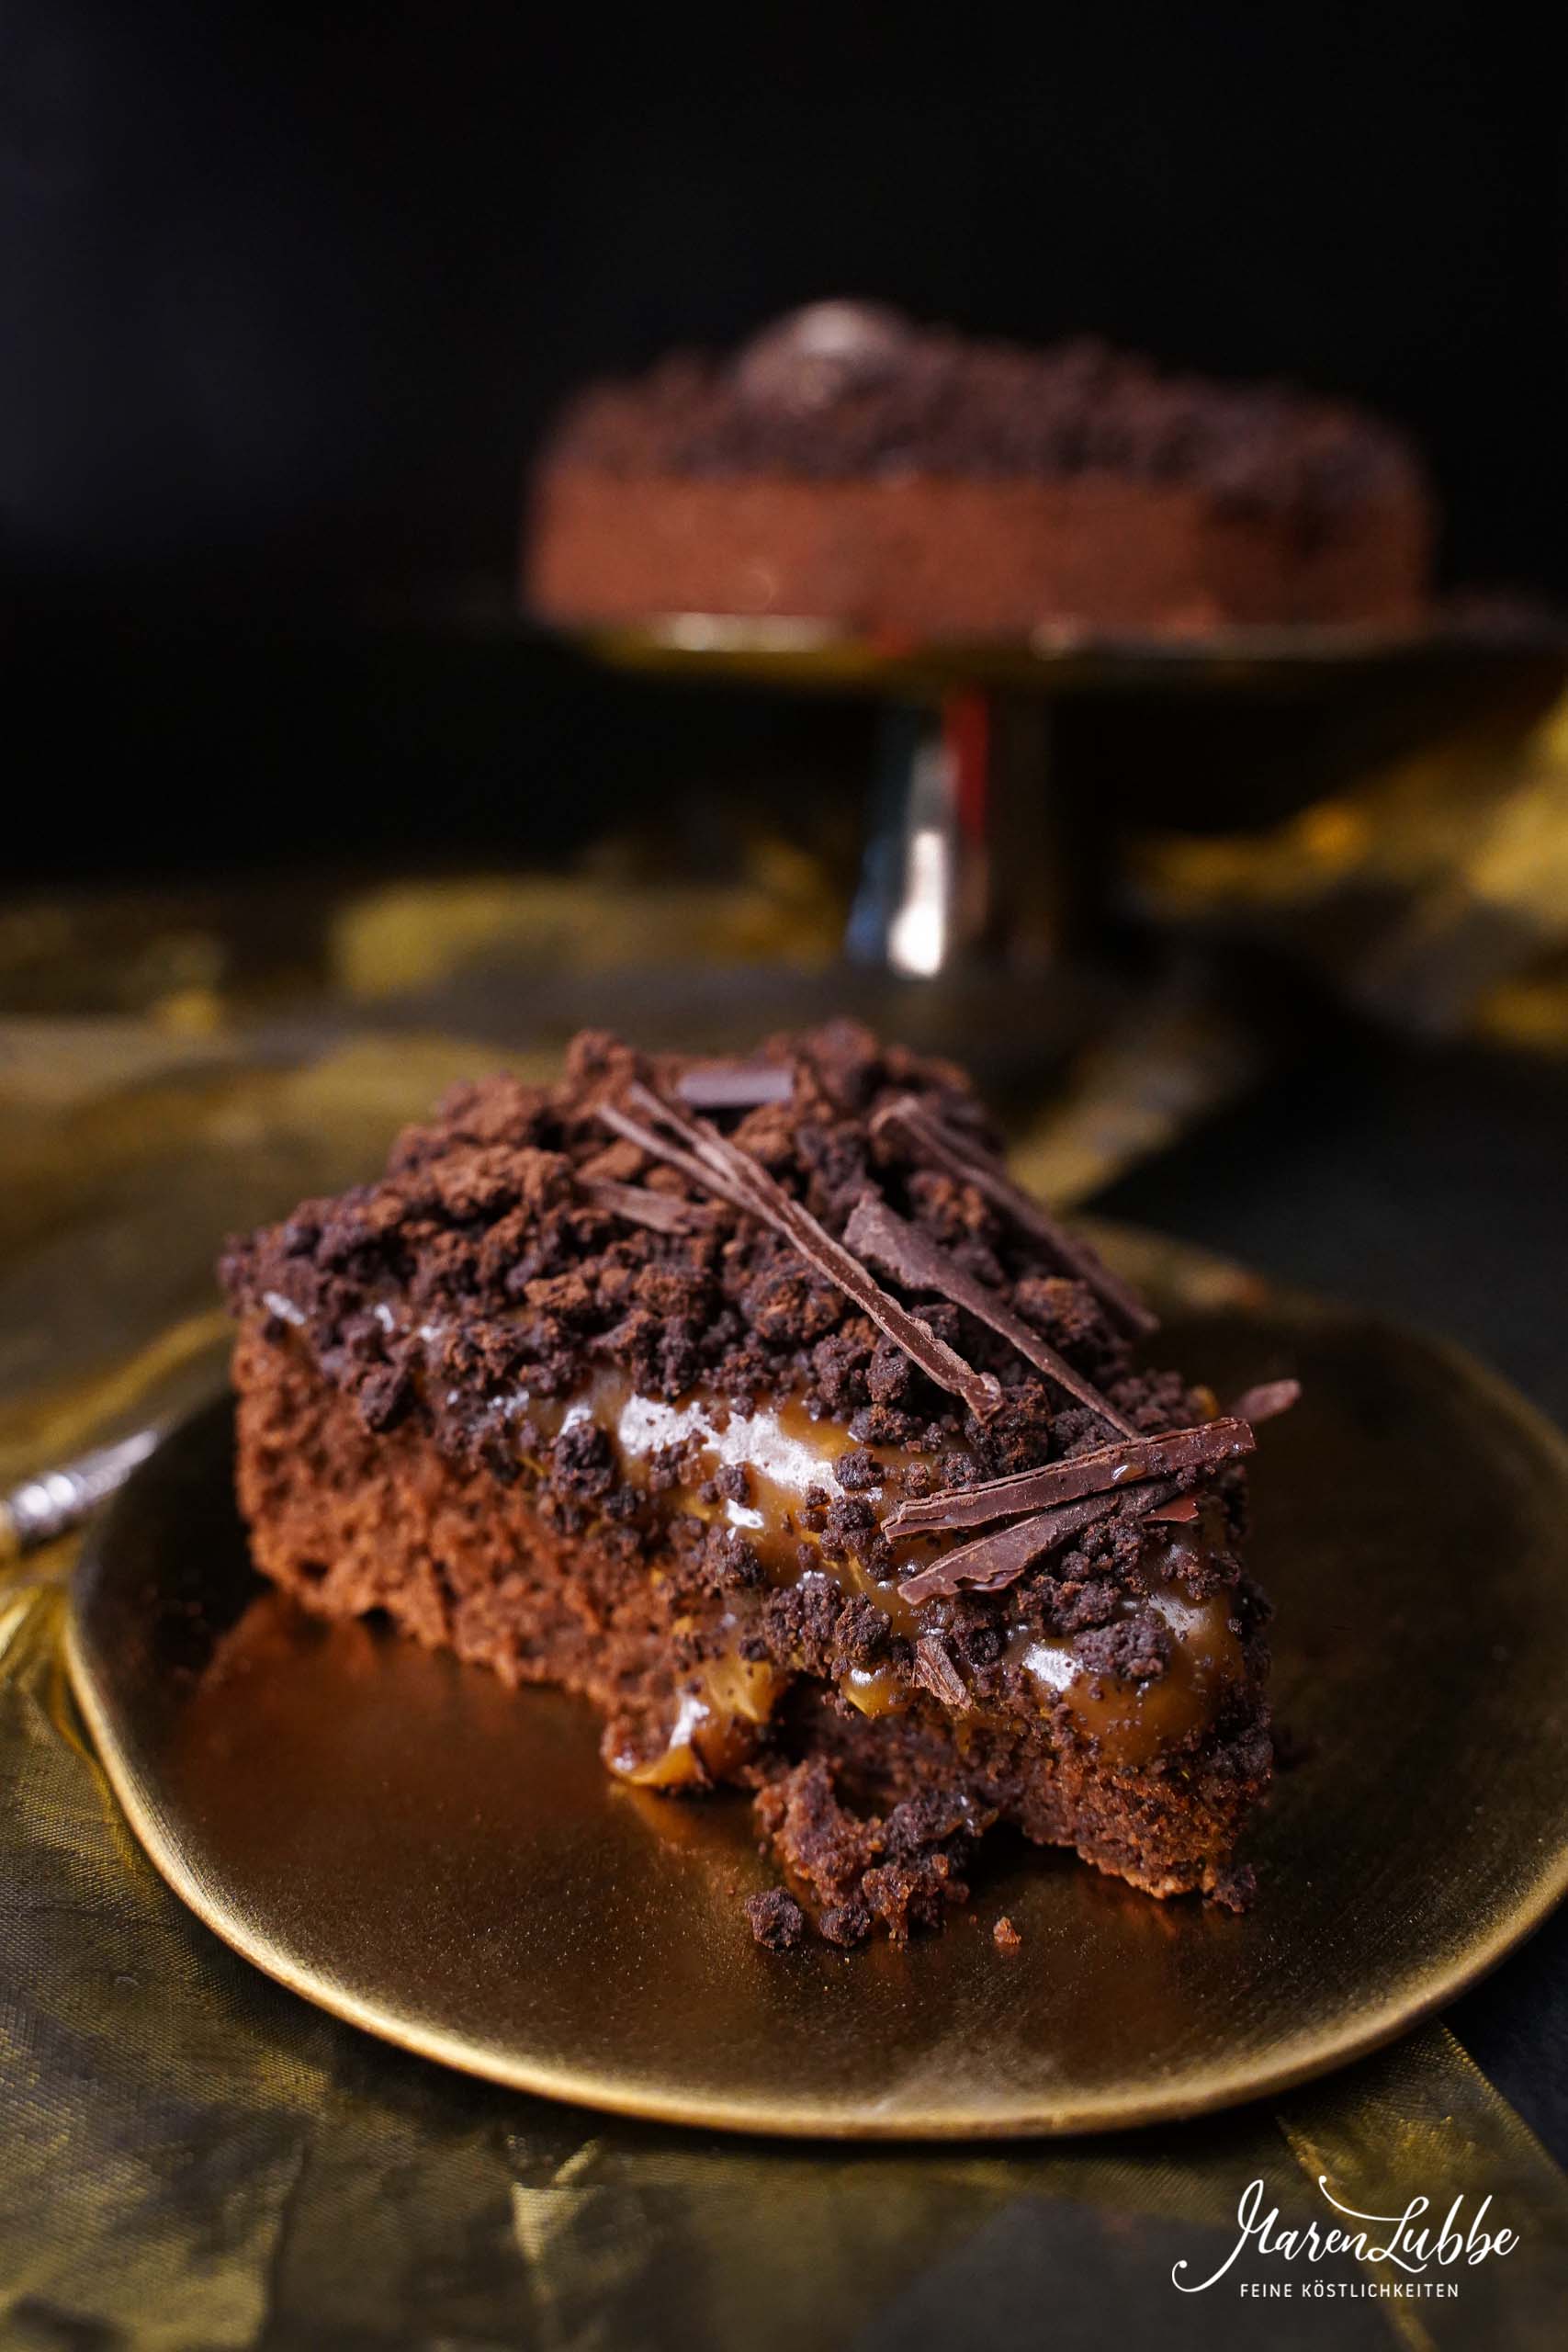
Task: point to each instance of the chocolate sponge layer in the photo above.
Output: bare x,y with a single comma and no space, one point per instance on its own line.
350,1521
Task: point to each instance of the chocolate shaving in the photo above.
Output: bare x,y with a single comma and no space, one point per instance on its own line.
1184,1508
660,1212
670,1154
877,1233
711,1159
734,1086
934,1671
1268,1400
936,1143
1106,1471
994,1561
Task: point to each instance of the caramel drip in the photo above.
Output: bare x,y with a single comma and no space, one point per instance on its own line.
712,1734
875,1690
786,1456
1132,1722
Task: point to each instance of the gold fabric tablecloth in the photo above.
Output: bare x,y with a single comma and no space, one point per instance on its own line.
193,2157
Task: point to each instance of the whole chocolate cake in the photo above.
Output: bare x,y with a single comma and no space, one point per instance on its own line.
851,467
755,1402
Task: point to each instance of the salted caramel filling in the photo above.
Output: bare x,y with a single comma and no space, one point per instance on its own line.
875,1690
784,1453
787,1457
1132,1722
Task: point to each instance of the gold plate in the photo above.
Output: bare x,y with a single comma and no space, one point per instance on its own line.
402,1840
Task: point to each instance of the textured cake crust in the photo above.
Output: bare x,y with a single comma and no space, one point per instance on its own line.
928,558
348,1522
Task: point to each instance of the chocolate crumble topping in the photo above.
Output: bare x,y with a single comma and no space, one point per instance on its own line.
486,1263
845,388
1136,1649
777,1920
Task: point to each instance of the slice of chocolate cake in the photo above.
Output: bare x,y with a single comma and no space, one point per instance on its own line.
755,1402
850,467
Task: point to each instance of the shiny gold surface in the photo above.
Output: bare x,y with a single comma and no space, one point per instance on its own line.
412,1848
779,648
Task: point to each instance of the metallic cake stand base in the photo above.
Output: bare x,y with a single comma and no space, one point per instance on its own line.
976,850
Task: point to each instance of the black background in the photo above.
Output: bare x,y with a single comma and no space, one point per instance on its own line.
289,292
285,276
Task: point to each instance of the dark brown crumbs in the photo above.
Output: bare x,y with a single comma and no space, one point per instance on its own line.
740,1177
884,395
896,1872
777,1920
857,1470
1004,1936
1234,1889
730,1483
812,1628
1132,1649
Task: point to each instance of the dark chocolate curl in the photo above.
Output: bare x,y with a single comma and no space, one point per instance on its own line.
660,1212
937,1145
935,1672
992,1561
658,1148
877,1233
1183,1511
1268,1400
1107,1471
734,1086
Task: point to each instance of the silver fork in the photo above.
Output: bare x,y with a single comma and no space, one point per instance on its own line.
58,1500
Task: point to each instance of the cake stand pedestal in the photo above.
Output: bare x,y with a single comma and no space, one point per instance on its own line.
975,852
